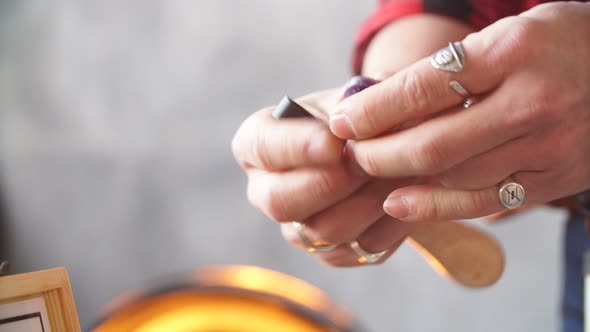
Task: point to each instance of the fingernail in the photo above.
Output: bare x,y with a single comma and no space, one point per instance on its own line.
396,207
340,126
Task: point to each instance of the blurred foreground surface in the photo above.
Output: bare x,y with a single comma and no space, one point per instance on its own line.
234,298
115,125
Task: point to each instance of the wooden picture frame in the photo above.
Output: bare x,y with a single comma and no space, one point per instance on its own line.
38,301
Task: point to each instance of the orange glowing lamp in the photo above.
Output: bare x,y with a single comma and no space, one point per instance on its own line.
227,299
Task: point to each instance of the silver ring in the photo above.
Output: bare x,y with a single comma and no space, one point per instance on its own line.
468,102
363,256
511,194
450,58
309,245
468,99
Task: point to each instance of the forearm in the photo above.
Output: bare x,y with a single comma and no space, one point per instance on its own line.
406,40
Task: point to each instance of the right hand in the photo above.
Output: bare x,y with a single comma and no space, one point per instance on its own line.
298,171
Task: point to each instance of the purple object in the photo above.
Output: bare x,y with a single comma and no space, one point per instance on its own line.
358,84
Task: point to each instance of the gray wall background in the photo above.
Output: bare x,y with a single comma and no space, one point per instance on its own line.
115,123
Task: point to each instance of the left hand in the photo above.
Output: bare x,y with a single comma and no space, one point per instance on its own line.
297,171
531,123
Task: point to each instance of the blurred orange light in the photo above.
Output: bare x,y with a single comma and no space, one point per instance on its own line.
230,299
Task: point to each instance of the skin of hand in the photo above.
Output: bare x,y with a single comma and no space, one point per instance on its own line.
298,170
531,123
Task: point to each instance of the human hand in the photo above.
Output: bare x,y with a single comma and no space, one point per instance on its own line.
297,171
531,123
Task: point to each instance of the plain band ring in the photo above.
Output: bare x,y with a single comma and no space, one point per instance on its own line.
311,246
511,194
363,256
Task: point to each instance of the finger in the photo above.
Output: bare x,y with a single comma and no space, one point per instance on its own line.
265,143
441,142
346,220
383,233
421,89
534,152
430,203
298,194
492,167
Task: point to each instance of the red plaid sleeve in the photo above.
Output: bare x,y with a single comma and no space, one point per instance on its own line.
478,13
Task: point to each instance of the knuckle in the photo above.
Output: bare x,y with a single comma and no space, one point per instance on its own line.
430,211
479,202
260,151
415,92
427,157
508,45
369,120
323,185
520,44
267,198
534,110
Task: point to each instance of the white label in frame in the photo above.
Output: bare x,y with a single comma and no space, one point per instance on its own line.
25,315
